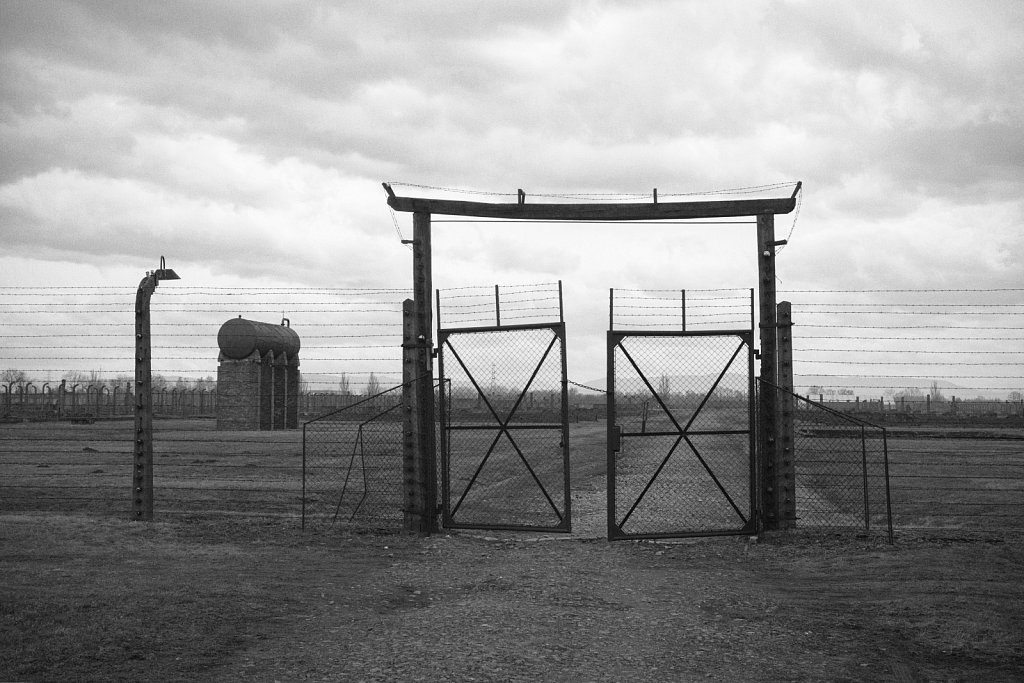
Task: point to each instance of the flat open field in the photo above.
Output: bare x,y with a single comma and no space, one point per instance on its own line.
216,590
940,479
957,478
66,467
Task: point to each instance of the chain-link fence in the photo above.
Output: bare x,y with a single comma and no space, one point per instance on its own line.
68,401
352,463
681,406
505,443
841,469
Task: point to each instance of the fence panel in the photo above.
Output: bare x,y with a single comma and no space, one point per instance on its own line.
684,461
67,403
352,464
841,470
941,369
955,463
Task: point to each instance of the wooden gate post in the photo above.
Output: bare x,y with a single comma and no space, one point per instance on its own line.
412,488
766,434
418,377
785,467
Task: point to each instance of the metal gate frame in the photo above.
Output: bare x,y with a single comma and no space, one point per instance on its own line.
503,427
615,435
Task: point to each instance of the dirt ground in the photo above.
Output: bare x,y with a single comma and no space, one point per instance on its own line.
86,598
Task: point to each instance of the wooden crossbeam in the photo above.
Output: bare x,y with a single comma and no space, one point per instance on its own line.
661,210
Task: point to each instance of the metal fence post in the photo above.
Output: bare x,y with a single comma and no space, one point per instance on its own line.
864,464
142,488
142,476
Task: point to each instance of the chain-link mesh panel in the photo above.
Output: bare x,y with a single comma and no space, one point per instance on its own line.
671,380
505,449
352,464
840,469
683,406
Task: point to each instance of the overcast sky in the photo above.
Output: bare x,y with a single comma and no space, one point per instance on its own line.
247,142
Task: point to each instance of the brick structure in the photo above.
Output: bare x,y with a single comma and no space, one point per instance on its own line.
257,376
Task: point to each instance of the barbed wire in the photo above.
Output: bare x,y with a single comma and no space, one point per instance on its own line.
931,313
915,337
530,287
745,290
186,324
490,304
677,314
796,217
897,291
907,327
802,305
903,351
358,317
291,311
903,363
904,385
187,290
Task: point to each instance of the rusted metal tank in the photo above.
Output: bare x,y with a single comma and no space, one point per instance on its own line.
239,337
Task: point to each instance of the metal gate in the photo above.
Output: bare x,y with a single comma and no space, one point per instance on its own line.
680,434
505,430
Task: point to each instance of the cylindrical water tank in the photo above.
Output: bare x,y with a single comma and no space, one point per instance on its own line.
239,337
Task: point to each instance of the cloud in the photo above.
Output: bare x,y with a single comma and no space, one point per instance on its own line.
250,146
261,137
287,219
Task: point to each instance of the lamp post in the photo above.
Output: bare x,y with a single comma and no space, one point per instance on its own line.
142,475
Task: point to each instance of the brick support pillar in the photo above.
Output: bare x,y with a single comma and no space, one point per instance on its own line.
238,393
292,387
279,391
266,391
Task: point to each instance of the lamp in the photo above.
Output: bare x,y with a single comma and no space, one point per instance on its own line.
165,273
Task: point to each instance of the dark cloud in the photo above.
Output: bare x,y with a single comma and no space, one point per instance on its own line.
198,109
303,79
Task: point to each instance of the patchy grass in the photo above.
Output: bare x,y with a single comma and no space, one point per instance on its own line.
220,596
100,599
